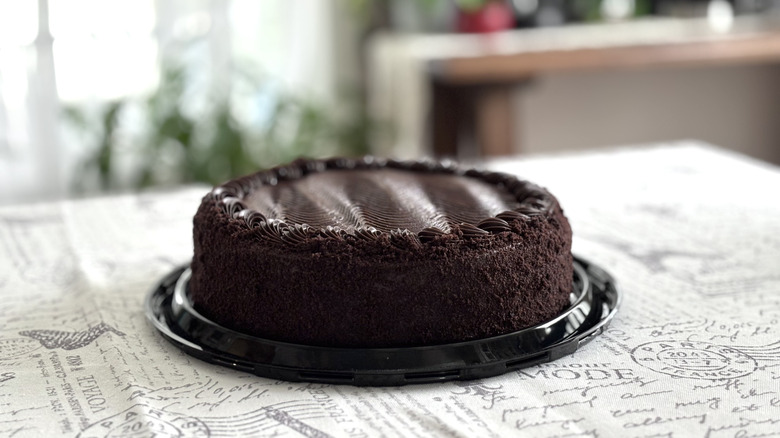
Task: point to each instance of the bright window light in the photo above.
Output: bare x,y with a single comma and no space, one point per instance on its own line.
18,22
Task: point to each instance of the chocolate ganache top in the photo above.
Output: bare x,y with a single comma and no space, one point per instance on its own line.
385,199
369,197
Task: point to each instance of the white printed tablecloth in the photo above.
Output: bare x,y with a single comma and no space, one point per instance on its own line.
690,232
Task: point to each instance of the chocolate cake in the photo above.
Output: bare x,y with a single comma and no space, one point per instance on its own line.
374,253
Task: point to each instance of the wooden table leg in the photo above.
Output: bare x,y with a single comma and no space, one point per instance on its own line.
473,120
446,107
495,120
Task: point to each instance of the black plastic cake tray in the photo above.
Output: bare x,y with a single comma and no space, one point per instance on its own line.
594,301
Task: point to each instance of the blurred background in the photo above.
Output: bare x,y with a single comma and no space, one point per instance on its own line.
103,96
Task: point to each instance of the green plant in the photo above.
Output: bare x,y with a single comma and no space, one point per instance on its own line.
168,144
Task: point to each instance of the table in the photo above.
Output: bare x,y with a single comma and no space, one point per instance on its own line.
467,81
685,228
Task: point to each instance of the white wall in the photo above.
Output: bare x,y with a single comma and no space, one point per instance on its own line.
736,107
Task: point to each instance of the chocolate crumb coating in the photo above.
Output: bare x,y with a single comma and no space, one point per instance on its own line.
374,253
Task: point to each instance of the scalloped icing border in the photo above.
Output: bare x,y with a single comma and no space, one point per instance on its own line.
533,199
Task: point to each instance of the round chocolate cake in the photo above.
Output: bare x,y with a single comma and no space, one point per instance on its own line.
374,253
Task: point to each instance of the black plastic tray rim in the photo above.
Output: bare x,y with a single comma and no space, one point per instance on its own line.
595,300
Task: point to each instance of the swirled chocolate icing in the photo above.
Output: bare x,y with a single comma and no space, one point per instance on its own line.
384,199
374,253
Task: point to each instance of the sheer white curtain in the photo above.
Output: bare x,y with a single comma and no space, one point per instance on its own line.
55,53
